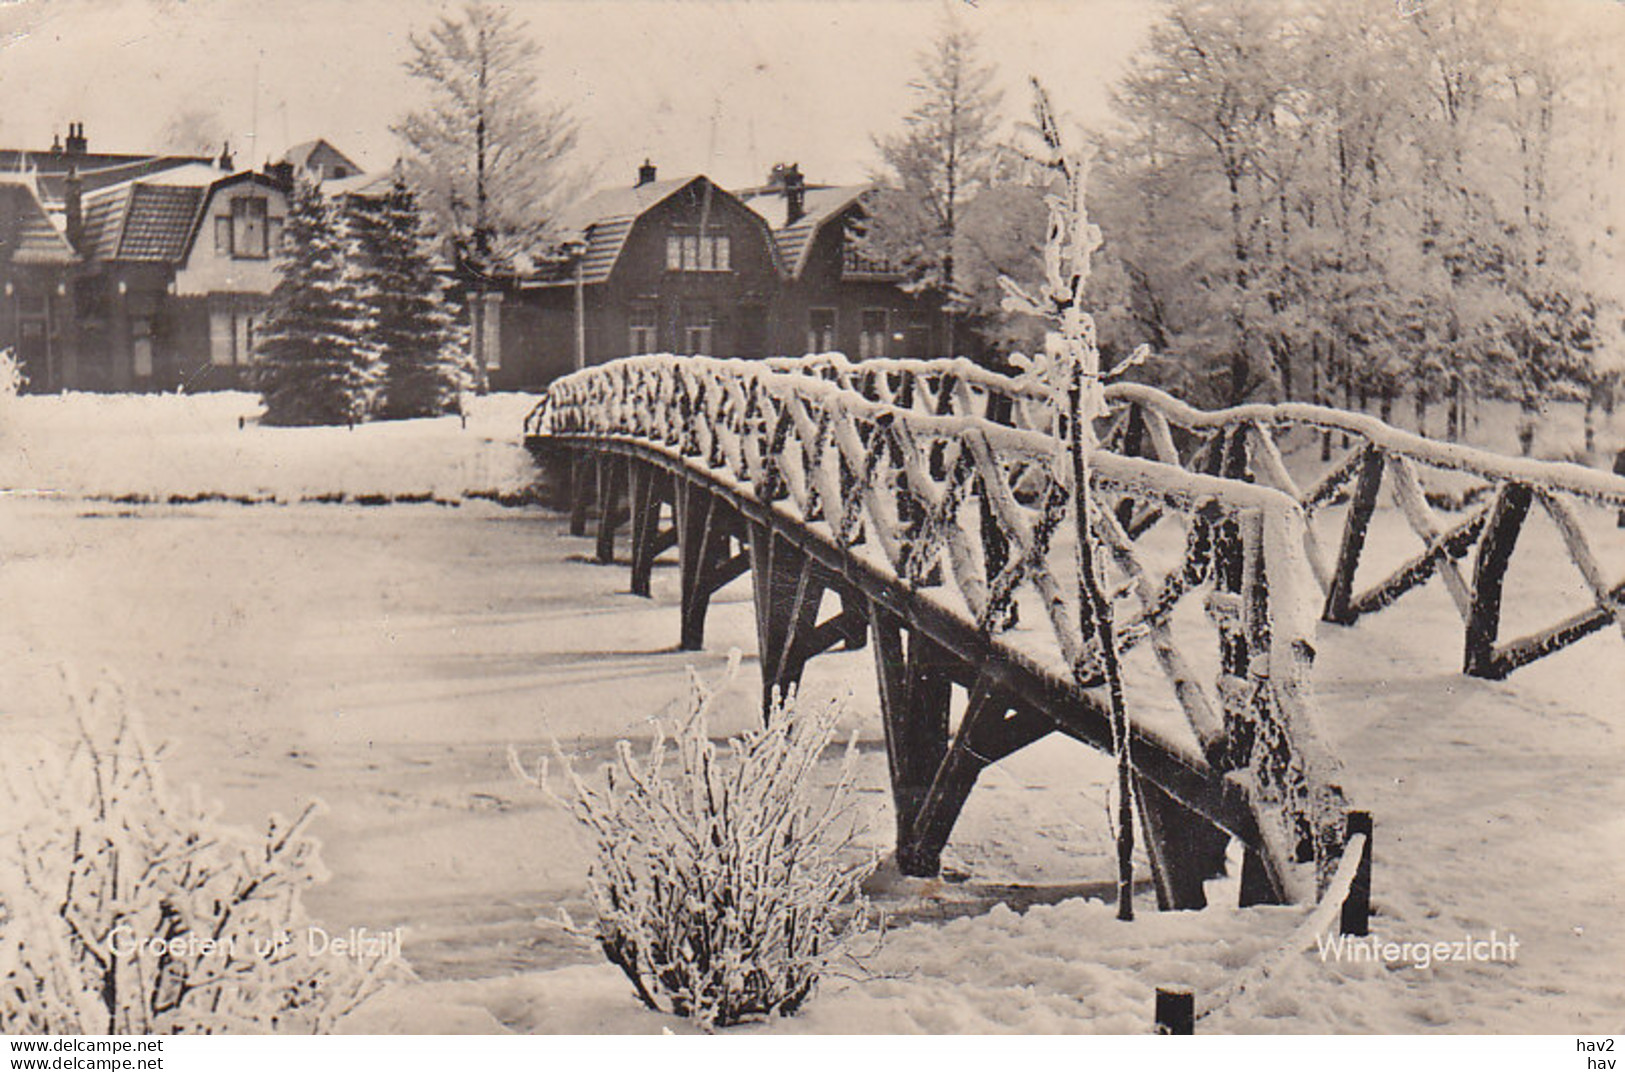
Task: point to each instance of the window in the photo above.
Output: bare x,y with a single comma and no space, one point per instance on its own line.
274,235
820,331
222,235
243,335
248,226
692,252
872,336
642,324
699,331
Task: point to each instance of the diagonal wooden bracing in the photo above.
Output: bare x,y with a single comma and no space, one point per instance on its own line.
942,536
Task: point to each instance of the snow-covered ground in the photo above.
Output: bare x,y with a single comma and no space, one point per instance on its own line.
384,659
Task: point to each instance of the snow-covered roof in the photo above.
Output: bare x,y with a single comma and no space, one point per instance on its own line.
820,205
604,220
27,236
368,184
154,220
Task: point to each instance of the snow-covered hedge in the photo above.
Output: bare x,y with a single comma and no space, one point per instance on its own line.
725,882
127,908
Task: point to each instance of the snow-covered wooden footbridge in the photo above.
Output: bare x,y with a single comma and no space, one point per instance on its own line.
925,504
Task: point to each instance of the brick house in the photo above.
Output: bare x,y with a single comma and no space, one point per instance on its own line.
675,264
831,297
36,268
682,265
176,270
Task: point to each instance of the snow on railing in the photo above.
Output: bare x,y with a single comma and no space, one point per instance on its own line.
968,512
1244,442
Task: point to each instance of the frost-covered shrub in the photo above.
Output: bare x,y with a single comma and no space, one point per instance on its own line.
12,381
126,908
725,880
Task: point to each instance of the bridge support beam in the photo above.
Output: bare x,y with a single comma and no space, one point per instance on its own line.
581,476
915,689
1184,848
611,482
789,589
651,490
704,528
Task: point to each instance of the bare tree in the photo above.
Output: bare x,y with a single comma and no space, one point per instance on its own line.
947,152
485,153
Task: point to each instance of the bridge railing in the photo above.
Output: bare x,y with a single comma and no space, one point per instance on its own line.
970,515
1457,500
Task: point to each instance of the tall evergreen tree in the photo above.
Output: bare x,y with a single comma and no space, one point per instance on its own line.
314,364
413,331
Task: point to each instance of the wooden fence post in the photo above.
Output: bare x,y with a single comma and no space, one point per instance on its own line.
1489,570
1356,917
1176,1012
1339,609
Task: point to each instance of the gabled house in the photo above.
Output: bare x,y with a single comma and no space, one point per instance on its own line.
319,161
176,271
36,265
674,264
833,298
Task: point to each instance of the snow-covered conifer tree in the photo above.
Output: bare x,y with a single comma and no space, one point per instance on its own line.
315,362
421,366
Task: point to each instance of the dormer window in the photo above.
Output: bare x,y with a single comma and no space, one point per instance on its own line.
249,216
690,251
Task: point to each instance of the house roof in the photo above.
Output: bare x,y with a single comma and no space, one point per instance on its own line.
604,220
141,221
299,155
27,236
153,221
795,239
367,184
53,185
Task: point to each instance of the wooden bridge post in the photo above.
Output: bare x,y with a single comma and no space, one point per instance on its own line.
1489,571
914,695
1184,848
649,486
703,529
611,477
788,592
1362,505
988,731
581,470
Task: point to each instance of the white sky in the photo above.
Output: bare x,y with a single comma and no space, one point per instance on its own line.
726,88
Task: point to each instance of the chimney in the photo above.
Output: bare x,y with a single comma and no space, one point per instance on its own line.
795,194
281,173
76,144
56,145
73,206
646,173
225,157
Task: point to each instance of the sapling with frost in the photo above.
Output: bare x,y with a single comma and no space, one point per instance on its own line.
127,908
724,881
1070,369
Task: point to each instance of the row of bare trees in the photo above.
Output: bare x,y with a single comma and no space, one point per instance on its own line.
1337,200
1341,200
